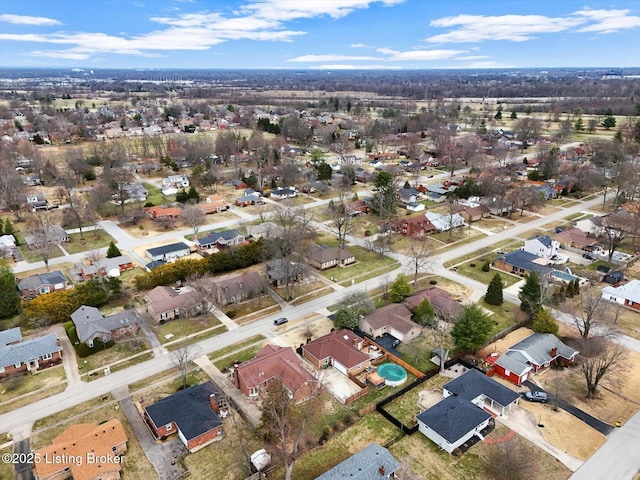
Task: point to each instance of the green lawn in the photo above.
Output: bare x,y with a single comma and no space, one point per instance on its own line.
92,241
182,327
223,352
238,357
33,255
504,316
155,195
418,352
6,469
375,396
120,351
368,264
476,272
16,386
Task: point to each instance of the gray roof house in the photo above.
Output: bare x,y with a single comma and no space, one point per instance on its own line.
91,324
42,283
521,263
168,253
463,413
227,238
29,355
55,235
372,462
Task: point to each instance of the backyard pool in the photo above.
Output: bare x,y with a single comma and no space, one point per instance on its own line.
393,374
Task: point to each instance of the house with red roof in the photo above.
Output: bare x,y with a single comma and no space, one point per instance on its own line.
271,363
341,349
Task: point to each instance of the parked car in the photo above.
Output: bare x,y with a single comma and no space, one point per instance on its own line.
537,396
280,321
396,343
589,256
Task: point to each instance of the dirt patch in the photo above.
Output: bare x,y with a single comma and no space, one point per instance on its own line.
503,344
318,324
428,398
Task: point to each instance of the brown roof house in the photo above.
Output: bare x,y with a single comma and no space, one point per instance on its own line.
193,413
442,302
322,257
237,288
85,451
394,319
575,238
274,362
341,348
413,227
213,204
164,303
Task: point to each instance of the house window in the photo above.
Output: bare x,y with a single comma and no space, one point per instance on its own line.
44,290
168,427
17,365
47,356
113,449
507,372
90,343
1,369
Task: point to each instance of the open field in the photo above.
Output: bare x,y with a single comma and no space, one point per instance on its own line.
93,240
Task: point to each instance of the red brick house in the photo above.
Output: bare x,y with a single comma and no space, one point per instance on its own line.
164,303
41,283
192,413
327,257
274,362
394,319
413,227
443,303
157,213
341,348
19,356
213,204
106,267
86,441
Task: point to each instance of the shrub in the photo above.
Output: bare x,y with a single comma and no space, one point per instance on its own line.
433,282
367,233
486,267
472,265
83,350
347,419
231,313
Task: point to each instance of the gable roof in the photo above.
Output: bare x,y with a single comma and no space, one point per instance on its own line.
536,348
275,362
629,291
544,240
474,383
34,282
364,465
215,237
453,417
10,335
526,261
173,302
575,235
243,282
339,345
89,321
441,301
29,350
190,409
394,315
164,249
326,254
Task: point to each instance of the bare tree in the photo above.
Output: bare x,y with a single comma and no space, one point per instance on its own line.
11,189
418,252
193,217
511,461
591,313
600,358
527,128
39,228
119,179
615,228
340,219
182,358
524,196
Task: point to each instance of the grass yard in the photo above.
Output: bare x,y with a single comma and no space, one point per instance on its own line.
6,469
303,289
458,235
182,327
418,352
93,240
476,273
210,332
406,407
252,306
368,264
237,357
33,255
120,351
155,195
503,316
375,396
135,464
11,388
223,352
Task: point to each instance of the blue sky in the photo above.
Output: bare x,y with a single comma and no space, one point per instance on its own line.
320,34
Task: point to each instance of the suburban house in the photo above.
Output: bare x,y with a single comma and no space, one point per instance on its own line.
356,207
42,283
575,238
94,444
341,348
408,195
91,324
627,294
497,206
237,288
443,303
275,362
192,413
227,238
283,193
444,223
178,181
322,257
248,200
394,319
168,253
55,236
18,355
463,413
415,207
532,355
373,462
614,277
7,241
521,263
278,273
591,226
105,267
164,303
475,213
413,227
213,204
264,229
543,247
163,213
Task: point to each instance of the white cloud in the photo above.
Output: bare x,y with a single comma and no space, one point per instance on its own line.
66,54
339,66
283,10
330,58
520,28
27,20
472,57
360,45
417,55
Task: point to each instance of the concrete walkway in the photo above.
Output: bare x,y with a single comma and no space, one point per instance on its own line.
525,425
249,411
69,360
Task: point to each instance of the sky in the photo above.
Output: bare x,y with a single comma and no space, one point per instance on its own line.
320,34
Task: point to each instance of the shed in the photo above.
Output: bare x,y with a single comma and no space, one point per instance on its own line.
613,277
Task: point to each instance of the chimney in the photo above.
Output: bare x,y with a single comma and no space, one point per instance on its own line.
213,401
381,470
554,351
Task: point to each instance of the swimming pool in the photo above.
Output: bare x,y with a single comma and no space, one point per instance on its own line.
393,374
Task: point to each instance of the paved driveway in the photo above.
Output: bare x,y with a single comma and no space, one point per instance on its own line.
339,385
23,470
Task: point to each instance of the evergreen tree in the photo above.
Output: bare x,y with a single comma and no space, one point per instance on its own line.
494,294
400,288
513,116
113,251
473,330
498,115
576,287
9,294
543,322
424,313
530,294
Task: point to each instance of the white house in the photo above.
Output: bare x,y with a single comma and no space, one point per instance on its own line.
542,246
445,222
178,181
627,294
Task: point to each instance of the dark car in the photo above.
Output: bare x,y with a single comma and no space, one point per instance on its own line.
536,396
589,256
280,321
